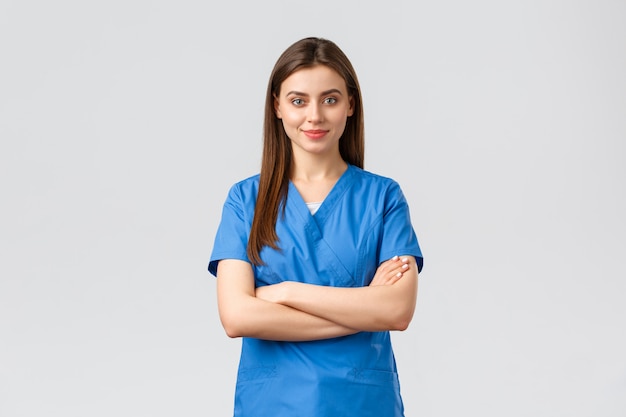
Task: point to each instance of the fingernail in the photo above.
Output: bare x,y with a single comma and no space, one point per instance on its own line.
399,274
405,260
405,266
395,258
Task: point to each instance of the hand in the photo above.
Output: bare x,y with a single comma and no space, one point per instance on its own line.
390,271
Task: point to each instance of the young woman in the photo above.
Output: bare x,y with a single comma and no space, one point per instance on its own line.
316,259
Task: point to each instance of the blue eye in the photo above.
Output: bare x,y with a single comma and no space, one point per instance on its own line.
330,100
297,102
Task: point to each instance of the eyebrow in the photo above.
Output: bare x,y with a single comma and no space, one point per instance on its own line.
324,93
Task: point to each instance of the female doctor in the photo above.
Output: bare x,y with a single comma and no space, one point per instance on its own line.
316,259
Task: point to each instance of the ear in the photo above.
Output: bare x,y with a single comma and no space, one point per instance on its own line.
351,109
277,107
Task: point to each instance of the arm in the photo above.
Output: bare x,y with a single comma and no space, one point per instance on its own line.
372,308
244,315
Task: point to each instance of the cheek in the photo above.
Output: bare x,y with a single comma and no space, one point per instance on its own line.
340,118
289,126
291,119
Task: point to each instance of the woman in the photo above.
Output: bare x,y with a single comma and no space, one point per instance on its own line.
316,259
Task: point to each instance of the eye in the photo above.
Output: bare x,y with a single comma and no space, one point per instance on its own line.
330,100
297,102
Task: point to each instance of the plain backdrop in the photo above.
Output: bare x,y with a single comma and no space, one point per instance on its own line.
124,123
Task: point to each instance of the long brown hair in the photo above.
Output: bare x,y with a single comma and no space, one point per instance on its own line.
277,157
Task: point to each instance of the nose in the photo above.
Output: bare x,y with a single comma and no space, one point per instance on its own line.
314,115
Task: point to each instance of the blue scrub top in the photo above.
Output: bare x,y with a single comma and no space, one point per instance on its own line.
362,222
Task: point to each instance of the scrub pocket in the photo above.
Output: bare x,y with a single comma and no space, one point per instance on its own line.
374,377
255,374
255,390
375,393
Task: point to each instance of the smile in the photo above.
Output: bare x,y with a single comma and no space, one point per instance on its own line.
315,134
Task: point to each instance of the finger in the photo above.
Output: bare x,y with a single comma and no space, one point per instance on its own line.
387,272
401,268
389,263
396,274
394,278
383,277
392,263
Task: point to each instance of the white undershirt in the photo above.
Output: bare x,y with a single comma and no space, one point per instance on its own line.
313,207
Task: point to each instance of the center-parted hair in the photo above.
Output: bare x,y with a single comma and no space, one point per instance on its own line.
277,156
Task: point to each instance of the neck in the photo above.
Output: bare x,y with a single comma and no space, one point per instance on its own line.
314,167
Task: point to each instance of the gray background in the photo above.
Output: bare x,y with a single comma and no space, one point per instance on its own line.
123,124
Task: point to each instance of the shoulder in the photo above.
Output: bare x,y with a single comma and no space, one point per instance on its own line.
375,182
242,196
245,189
383,192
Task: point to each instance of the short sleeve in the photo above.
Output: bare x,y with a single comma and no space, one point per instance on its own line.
231,240
398,236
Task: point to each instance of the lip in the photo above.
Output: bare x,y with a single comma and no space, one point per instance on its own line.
315,133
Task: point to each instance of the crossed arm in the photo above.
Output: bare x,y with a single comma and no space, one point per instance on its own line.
293,311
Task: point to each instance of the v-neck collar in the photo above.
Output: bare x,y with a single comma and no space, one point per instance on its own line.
333,196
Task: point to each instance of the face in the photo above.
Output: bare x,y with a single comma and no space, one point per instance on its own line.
314,106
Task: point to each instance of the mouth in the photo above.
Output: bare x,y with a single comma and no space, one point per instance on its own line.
315,133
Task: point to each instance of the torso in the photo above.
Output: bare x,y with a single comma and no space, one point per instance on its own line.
340,246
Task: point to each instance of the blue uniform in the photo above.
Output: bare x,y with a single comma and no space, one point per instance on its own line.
362,222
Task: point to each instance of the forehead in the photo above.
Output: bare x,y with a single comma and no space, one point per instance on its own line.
313,80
